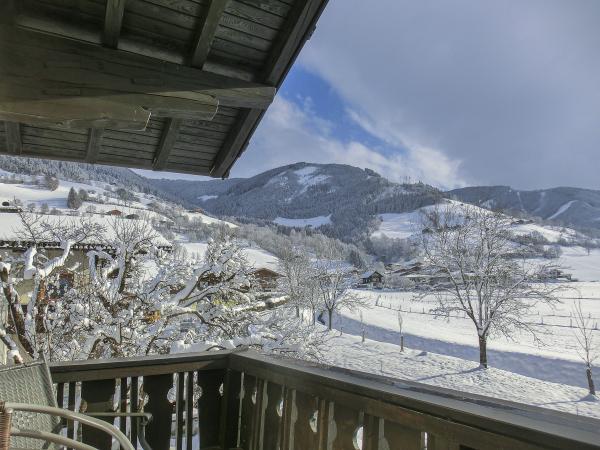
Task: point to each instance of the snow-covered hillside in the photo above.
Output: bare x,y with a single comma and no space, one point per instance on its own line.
584,265
102,198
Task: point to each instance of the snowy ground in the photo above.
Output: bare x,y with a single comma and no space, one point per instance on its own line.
457,374
555,360
314,222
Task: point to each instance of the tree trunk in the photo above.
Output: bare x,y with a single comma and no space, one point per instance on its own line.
330,315
401,343
591,386
483,351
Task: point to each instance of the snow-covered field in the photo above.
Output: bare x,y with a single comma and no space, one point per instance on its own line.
314,222
456,373
444,352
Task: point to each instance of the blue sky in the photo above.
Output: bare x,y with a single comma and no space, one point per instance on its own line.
449,92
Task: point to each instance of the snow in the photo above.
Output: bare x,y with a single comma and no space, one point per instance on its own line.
307,178
584,267
557,360
207,197
456,374
314,222
562,209
257,257
12,228
398,226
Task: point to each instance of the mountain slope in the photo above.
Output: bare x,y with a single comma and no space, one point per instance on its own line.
342,200
562,205
80,172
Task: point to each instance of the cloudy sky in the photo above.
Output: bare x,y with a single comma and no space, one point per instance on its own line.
451,92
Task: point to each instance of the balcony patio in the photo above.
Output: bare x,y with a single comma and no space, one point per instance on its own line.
252,402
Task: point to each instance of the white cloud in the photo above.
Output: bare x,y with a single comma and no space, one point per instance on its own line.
290,133
509,89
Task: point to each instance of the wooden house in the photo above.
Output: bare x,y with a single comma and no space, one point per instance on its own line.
266,278
372,278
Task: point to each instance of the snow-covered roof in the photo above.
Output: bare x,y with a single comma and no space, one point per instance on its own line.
369,273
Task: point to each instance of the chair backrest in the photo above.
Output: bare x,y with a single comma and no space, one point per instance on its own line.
29,383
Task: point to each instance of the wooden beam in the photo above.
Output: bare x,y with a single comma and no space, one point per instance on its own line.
36,66
94,144
13,138
113,20
299,26
236,142
167,140
207,32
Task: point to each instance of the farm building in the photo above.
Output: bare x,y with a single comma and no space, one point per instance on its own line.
372,278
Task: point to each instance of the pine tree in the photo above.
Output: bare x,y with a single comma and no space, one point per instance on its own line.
73,200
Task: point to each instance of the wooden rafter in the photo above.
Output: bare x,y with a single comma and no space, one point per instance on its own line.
13,138
207,32
94,144
49,76
301,22
167,140
113,20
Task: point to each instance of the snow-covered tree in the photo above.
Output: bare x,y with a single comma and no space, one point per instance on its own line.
334,281
51,182
35,265
73,199
481,273
589,351
296,267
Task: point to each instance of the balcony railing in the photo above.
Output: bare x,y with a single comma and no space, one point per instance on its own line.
243,400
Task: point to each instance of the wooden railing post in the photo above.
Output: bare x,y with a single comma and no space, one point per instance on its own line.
157,387
210,407
97,396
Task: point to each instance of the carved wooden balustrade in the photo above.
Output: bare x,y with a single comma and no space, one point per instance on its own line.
243,400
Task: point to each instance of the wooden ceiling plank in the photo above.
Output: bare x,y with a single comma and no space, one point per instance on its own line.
14,143
113,21
167,141
207,32
94,144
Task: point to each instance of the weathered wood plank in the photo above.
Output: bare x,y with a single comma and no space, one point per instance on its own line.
207,32
54,68
179,409
13,138
235,143
70,112
166,143
251,13
112,22
273,6
241,37
209,407
189,410
97,396
192,8
230,409
157,388
93,145
291,37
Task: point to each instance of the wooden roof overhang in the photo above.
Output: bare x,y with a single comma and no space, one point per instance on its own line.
176,85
